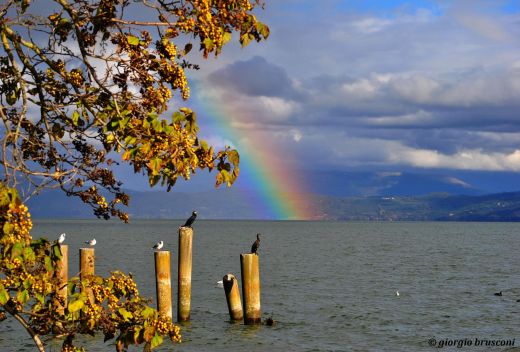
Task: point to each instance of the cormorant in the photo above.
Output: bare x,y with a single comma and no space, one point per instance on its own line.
256,244
191,219
498,293
158,245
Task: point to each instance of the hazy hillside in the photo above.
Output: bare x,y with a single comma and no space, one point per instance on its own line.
238,204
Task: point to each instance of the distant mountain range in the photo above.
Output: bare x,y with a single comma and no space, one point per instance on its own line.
345,183
229,204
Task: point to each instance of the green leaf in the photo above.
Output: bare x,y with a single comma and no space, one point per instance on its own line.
177,117
148,312
208,44
262,29
156,341
17,250
226,37
233,157
48,264
40,298
4,295
56,250
28,254
133,40
8,228
130,140
23,296
76,305
125,314
155,166
246,39
75,117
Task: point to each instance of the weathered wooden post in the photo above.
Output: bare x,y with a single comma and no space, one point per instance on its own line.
163,283
251,288
63,278
86,267
233,297
184,273
86,262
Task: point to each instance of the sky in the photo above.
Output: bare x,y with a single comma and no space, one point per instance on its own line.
371,85
381,85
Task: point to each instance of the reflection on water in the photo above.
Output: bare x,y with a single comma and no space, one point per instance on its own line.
329,285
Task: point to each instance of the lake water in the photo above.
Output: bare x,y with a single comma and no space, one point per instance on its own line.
331,286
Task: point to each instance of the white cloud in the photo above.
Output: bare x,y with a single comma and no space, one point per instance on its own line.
474,159
456,181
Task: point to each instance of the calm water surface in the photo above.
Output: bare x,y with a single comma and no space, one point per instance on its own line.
331,286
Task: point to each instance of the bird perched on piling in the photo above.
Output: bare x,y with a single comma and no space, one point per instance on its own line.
158,245
91,243
191,219
256,245
61,239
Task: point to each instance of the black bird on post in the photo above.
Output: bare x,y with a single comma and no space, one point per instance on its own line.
191,219
256,244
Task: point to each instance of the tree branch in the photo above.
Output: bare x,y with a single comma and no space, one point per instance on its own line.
37,341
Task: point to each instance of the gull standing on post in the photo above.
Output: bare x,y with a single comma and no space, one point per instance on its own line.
62,238
158,245
91,243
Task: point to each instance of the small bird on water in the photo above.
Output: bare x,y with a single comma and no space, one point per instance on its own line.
91,243
62,238
256,245
498,293
158,245
191,219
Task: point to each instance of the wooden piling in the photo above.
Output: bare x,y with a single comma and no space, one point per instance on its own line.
86,262
233,297
163,283
86,267
249,264
63,278
184,273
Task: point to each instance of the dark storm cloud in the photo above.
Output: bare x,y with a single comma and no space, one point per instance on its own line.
255,77
424,88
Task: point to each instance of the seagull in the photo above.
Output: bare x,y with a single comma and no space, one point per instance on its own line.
92,242
191,219
219,283
158,245
256,244
62,238
397,293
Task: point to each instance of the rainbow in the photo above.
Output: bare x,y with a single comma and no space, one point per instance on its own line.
277,191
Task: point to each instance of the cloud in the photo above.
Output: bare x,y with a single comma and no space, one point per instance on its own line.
254,77
409,88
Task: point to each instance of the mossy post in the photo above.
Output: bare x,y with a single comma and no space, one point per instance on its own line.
163,283
233,297
63,278
249,264
86,266
184,273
